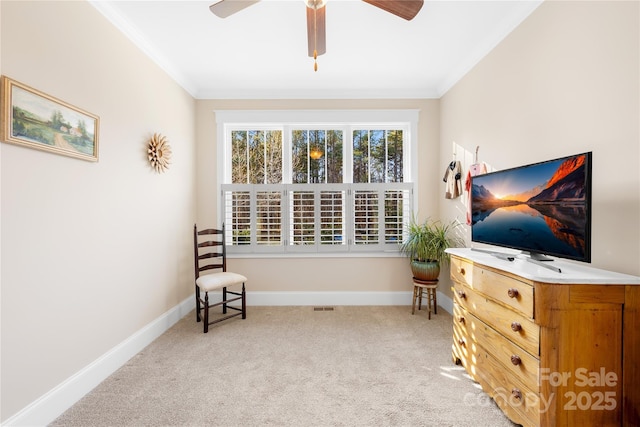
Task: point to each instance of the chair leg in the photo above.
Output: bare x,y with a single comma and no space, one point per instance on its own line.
206,312
244,303
224,298
198,318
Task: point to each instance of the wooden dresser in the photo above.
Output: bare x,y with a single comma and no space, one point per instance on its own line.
551,349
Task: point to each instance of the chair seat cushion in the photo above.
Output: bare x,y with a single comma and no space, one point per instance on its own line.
209,282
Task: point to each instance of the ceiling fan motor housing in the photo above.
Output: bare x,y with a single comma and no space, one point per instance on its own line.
316,34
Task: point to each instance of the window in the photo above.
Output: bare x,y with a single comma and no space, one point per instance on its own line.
321,184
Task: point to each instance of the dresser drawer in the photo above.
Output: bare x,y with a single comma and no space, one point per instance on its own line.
462,271
514,293
521,404
518,398
513,325
471,336
513,358
464,347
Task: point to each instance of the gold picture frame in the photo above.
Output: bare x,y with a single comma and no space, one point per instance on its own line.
34,119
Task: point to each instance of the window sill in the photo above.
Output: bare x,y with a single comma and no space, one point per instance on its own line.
377,254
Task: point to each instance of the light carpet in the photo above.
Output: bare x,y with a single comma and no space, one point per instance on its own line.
294,366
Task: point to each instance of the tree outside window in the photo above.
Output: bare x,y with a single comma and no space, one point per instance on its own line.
308,200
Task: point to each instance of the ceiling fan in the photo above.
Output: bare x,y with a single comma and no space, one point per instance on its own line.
316,34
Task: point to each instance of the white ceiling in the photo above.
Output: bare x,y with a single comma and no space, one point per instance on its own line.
261,52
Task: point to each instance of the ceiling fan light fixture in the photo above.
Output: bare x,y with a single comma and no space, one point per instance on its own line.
315,4
316,29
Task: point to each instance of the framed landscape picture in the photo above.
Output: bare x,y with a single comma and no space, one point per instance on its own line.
34,119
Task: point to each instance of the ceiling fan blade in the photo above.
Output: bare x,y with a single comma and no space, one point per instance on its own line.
406,9
225,8
316,34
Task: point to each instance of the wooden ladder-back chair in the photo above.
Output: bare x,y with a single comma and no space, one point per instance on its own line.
210,254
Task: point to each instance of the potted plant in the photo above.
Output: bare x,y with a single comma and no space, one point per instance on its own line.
425,245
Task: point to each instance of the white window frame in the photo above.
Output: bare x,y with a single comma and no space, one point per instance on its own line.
345,120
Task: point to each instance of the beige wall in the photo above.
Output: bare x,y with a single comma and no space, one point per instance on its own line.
337,274
564,82
91,252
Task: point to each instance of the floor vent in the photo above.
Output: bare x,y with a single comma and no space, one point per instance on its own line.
322,308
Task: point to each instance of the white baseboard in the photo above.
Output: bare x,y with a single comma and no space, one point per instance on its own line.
276,298
51,405
445,302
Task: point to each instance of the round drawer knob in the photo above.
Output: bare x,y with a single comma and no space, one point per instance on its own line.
517,394
461,270
461,319
461,342
512,292
462,294
516,327
515,359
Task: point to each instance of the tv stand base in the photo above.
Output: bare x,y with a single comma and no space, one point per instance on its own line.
544,263
532,257
501,255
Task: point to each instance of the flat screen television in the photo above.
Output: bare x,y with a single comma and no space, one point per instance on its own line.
541,208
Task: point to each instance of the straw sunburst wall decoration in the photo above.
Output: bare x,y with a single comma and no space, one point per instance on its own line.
159,153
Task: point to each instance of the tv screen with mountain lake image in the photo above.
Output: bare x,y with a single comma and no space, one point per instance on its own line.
542,208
